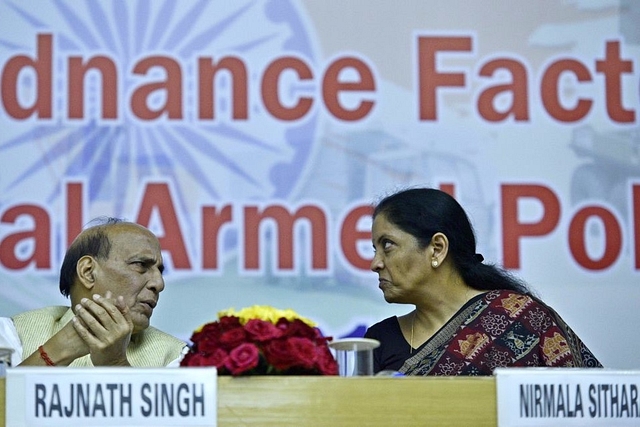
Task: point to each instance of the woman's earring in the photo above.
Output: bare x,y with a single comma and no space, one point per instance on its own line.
434,263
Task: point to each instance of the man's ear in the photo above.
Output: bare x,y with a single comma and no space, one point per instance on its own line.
86,269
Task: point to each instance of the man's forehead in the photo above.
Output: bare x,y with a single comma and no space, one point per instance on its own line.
133,237
128,228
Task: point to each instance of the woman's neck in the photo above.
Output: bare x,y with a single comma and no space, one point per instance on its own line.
437,309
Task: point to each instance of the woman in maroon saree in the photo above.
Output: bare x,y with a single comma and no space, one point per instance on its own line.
470,317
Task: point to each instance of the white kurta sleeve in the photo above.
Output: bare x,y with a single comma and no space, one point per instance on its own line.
9,339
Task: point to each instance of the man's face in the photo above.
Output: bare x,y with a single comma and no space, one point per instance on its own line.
134,270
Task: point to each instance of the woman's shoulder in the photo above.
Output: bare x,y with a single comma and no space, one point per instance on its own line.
388,324
514,302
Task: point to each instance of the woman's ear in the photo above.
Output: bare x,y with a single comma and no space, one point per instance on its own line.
85,268
440,248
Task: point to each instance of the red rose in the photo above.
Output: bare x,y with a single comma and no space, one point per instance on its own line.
260,330
216,358
297,328
259,347
233,338
208,330
279,355
303,350
229,322
322,341
325,361
207,343
242,359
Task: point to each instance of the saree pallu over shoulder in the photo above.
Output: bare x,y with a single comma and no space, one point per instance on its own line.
500,329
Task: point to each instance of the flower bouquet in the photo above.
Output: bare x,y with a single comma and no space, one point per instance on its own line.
261,340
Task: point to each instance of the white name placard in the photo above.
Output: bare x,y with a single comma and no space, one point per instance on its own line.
567,397
132,397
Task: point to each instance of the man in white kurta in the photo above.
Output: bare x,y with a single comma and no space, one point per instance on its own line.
113,274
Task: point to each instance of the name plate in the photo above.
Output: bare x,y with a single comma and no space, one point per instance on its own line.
68,397
567,397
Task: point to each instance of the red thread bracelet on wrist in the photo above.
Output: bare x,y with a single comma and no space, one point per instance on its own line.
45,357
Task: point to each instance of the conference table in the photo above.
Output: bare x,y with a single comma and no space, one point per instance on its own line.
349,401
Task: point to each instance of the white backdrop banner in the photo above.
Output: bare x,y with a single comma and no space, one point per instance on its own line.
253,136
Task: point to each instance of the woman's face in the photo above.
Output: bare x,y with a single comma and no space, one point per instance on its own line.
403,267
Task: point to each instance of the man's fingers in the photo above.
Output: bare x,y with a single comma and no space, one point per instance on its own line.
105,326
102,318
102,308
108,305
84,332
91,315
124,310
121,305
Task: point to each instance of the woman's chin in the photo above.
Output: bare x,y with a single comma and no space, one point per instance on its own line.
390,298
395,298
